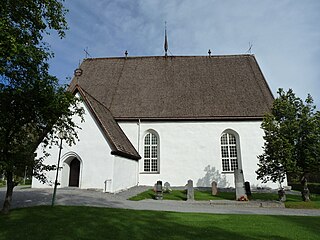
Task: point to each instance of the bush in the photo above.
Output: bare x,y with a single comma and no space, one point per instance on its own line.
313,187
2,183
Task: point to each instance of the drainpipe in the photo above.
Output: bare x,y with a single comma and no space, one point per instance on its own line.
139,128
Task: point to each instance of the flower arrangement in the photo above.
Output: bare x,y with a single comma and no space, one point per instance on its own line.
243,198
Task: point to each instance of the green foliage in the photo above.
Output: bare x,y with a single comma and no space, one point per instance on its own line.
313,187
64,222
2,183
33,106
292,138
22,25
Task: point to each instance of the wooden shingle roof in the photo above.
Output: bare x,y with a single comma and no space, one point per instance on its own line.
184,87
170,88
119,143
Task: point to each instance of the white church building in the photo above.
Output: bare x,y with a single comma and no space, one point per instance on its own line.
168,118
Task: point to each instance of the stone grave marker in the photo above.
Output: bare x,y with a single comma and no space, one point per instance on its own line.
214,188
159,195
167,187
247,188
239,183
190,191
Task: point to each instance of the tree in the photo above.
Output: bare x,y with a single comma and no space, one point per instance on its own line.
292,140
33,105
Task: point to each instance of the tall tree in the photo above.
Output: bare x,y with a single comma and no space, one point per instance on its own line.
292,140
32,102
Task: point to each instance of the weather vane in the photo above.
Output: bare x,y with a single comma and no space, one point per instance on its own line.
86,52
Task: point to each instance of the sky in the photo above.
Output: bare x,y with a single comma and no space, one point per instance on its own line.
284,35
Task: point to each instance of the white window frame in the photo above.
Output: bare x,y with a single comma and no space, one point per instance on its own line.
229,158
151,153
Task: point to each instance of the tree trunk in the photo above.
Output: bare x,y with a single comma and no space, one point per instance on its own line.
305,193
8,198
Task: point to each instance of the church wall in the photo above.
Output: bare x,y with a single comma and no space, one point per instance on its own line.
191,150
125,173
92,150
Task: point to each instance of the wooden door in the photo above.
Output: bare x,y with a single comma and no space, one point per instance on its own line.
74,173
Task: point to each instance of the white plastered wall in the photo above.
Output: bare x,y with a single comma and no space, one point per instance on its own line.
96,161
124,173
191,150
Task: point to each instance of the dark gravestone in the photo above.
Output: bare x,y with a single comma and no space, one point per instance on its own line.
159,195
247,188
190,191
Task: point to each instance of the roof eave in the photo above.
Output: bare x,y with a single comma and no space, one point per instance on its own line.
125,155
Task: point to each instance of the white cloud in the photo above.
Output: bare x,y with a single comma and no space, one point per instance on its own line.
285,34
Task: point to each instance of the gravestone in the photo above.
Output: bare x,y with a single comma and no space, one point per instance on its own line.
282,195
190,191
247,188
159,195
239,183
214,188
167,187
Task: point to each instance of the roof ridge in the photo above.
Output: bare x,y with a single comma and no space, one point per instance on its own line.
182,56
94,99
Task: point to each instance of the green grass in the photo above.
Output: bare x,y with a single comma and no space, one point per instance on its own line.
206,196
149,194
293,201
63,222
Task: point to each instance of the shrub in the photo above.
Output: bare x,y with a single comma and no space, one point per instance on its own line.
313,187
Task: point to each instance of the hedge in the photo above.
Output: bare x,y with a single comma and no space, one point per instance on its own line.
313,187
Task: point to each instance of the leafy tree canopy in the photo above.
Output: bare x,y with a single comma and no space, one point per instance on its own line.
292,138
32,102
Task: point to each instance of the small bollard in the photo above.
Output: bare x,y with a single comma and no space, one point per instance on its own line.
159,192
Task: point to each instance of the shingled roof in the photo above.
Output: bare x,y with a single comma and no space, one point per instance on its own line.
172,88
120,144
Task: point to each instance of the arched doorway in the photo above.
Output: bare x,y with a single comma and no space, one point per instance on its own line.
74,173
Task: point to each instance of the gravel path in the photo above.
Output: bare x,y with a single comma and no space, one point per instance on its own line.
26,197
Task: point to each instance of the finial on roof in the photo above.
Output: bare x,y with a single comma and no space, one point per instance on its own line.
86,52
209,52
250,47
126,53
78,72
165,40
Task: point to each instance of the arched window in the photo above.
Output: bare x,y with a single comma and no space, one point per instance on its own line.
151,153
229,152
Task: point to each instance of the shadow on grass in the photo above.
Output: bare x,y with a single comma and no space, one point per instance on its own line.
103,223
149,194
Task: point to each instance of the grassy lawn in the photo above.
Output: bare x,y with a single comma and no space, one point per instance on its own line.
293,201
63,222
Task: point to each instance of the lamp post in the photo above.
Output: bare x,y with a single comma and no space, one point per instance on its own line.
61,135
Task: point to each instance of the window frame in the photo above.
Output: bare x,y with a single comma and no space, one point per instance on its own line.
229,152
151,149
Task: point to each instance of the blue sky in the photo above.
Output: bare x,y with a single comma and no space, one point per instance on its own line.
285,35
